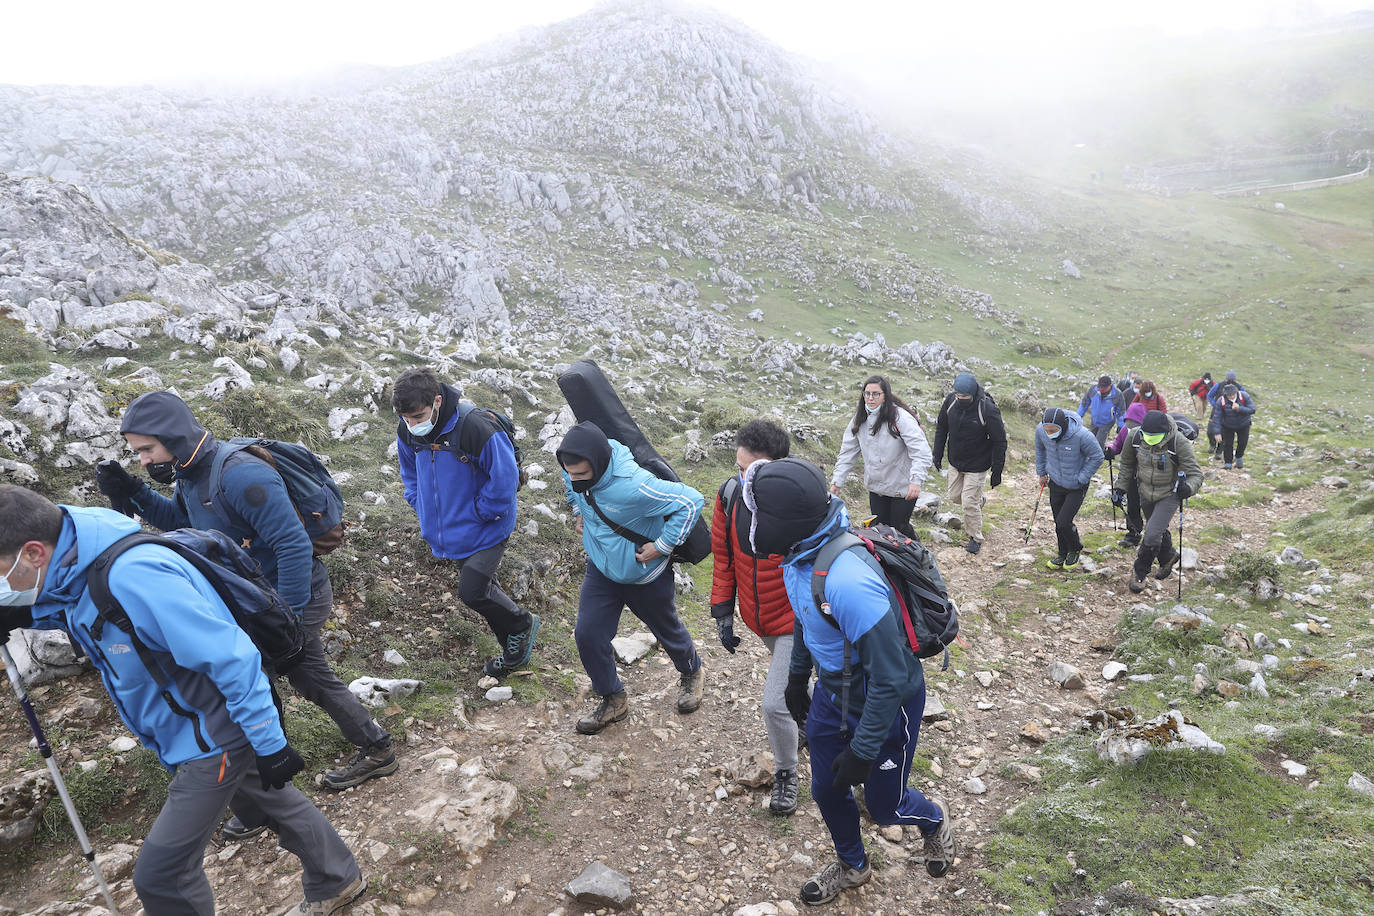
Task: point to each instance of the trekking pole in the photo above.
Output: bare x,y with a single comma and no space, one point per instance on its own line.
46,751
1181,504
1031,524
1111,480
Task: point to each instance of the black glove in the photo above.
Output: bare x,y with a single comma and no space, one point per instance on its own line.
115,482
725,629
14,618
1181,486
797,698
995,481
277,769
1109,453
850,769
939,466
1119,498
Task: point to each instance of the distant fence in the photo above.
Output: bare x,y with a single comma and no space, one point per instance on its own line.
1254,190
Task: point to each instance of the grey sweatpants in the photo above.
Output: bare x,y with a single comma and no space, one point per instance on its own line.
169,876
782,728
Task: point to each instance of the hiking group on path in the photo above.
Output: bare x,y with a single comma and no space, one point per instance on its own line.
177,634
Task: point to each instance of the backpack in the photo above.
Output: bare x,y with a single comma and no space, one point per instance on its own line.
503,422
730,493
1186,425
237,579
312,489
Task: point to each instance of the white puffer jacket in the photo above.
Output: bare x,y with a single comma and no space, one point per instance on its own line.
890,463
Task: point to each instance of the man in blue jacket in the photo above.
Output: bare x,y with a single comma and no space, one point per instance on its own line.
214,725
1066,458
1105,407
460,476
606,490
175,449
794,516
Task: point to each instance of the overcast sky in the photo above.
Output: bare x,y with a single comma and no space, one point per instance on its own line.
80,41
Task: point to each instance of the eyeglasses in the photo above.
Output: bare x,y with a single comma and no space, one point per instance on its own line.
872,395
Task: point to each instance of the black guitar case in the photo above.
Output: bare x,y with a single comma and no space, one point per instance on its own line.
591,397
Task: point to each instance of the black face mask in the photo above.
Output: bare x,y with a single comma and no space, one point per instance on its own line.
162,471
582,486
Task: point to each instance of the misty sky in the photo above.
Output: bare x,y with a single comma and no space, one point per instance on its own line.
993,43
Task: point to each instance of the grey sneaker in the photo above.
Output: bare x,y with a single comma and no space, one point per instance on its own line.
333,904
784,800
234,830
612,708
826,884
689,692
939,846
516,653
368,763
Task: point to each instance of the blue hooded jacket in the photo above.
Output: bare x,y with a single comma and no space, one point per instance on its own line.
887,674
662,510
219,698
1109,410
464,506
1072,459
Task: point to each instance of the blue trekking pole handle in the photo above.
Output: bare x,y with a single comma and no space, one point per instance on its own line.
46,751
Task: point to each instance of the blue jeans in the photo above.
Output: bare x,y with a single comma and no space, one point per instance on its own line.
598,618
889,799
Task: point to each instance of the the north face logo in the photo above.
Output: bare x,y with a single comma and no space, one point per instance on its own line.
888,764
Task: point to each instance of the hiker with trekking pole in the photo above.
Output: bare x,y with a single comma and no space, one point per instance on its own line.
1066,458
186,679
1160,463
1130,504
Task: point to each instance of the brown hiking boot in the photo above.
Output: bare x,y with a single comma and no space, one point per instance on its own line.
612,708
689,691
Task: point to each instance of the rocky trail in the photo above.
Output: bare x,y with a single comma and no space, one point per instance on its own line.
662,798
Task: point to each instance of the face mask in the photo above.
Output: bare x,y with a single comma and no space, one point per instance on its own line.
9,597
427,427
1051,430
582,486
162,471
872,408
1153,438
963,400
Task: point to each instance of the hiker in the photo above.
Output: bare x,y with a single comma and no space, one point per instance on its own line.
1105,407
1235,409
608,491
1198,390
1151,397
1130,501
1066,458
763,605
1129,385
175,449
970,427
1159,463
213,724
794,516
460,475
896,456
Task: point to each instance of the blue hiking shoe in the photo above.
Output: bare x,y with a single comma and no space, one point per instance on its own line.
518,649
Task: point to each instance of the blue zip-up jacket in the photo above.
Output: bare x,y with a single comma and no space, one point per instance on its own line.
1104,411
218,700
664,511
886,673
1072,459
464,506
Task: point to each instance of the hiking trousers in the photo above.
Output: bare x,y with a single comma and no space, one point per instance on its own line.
1064,504
966,490
1233,442
169,876
1157,542
894,511
1103,433
477,589
1135,520
886,795
782,728
598,617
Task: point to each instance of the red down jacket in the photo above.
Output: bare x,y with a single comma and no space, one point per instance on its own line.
763,604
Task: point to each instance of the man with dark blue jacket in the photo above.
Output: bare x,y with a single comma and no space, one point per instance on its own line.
258,513
460,476
214,723
1066,458
794,516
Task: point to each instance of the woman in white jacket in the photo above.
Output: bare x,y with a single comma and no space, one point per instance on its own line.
895,452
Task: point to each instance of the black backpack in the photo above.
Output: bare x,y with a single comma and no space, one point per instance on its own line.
503,422
1186,425
311,487
236,578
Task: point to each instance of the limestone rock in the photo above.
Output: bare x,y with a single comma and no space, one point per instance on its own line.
1170,731
21,804
599,885
379,691
630,649
1066,676
470,815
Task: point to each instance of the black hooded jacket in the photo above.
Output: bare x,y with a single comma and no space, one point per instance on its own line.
973,433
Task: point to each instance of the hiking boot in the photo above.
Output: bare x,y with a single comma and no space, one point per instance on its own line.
234,830
1226,466
1166,565
1240,465
1071,559
1137,583
519,647
1132,539
368,763
333,904
826,884
939,845
973,546
1055,563
612,708
689,691
784,800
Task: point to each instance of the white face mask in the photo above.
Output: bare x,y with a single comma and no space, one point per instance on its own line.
9,597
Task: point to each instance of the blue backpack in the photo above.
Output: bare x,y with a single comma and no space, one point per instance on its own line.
312,489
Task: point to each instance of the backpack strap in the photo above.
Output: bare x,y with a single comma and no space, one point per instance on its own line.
729,494
829,551
628,534
109,610
214,483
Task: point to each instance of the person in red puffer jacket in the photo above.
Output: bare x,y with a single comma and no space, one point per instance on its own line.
1150,396
763,605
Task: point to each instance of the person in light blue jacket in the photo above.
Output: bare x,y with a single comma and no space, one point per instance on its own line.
629,521
214,725
1066,458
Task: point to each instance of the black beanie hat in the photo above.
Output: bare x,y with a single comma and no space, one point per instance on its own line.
1156,421
791,500
1105,382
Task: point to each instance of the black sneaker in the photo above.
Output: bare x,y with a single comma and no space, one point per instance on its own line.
826,884
369,763
973,546
784,800
518,648
1071,559
939,846
234,830
1055,562
612,708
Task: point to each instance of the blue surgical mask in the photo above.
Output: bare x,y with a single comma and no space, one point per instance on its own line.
871,409
421,429
9,597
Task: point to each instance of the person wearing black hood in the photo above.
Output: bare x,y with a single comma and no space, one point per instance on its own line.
630,522
1161,466
971,426
175,449
873,745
